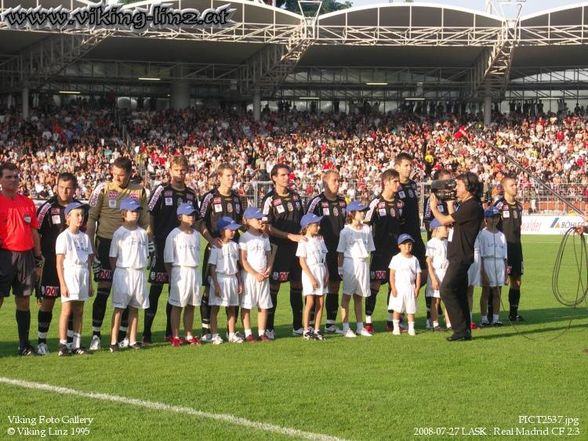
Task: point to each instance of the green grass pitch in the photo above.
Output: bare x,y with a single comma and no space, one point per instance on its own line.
383,388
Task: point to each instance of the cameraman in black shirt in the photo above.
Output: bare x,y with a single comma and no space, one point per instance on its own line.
466,221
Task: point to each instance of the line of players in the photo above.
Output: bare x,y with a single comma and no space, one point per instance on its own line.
392,213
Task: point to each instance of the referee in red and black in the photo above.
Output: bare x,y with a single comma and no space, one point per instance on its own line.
20,251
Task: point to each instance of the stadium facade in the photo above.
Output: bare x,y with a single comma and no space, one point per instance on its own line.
384,53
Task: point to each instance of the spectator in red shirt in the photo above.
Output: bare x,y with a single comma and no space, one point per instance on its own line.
20,251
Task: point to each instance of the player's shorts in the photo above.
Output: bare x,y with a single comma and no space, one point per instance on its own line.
356,277
77,280
286,265
184,286
379,270
157,273
255,294
435,293
205,276
333,266
103,251
474,277
229,295
129,288
515,267
494,269
17,272
319,272
49,279
403,302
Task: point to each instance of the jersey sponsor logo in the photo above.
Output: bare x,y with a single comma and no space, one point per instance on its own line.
217,201
382,212
50,291
56,219
295,197
168,193
55,211
325,204
342,204
157,277
326,211
218,208
382,205
277,202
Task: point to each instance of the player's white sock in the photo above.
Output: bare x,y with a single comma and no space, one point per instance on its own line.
345,327
396,325
368,319
359,326
77,340
231,335
495,317
62,342
248,332
411,326
261,331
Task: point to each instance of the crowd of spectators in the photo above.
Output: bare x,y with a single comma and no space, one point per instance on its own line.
85,140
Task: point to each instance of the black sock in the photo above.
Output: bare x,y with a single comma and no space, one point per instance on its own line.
274,289
154,293
490,307
514,295
23,321
296,305
370,302
332,306
168,310
70,329
99,309
428,303
205,314
124,325
44,319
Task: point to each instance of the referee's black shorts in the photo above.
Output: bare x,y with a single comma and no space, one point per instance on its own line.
17,272
103,251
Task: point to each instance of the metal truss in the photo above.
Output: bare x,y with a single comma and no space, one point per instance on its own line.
46,59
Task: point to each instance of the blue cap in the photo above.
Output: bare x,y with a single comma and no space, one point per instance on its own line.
253,213
226,222
309,218
404,238
130,204
491,212
435,224
186,209
356,206
73,206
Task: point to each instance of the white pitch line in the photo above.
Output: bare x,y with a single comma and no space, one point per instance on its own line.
154,405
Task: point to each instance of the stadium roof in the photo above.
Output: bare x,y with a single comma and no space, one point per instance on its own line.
380,35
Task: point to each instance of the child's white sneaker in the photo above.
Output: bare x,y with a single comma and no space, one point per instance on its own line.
396,332
364,333
95,343
124,343
349,334
235,339
217,340
411,332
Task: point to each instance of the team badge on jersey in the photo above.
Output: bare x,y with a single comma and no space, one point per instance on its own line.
169,202
56,219
229,208
280,208
382,212
335,211
410,194
515,214
290,206
401,194
27,218
218,208
326,211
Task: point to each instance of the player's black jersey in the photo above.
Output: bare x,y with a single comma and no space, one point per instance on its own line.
284,213
333,212
163,205
51,219
215,205
386,219
510,219
408,193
